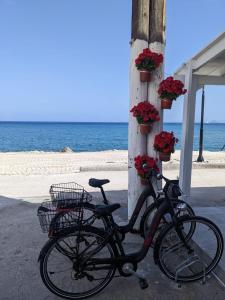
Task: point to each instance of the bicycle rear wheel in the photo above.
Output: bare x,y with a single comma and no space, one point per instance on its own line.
71,218
61,263
194,257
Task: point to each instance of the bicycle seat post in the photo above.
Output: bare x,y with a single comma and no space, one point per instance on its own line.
104,196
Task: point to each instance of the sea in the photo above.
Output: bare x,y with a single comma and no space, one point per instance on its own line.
54,136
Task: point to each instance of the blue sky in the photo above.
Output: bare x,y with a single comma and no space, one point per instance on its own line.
68,60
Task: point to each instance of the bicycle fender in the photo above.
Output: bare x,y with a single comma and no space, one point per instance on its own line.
44,248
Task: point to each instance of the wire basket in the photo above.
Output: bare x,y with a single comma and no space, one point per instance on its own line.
65,209
54,218
67,194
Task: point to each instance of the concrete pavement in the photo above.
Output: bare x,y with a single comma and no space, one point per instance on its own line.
21,241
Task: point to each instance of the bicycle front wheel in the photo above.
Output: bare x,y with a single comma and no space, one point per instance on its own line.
151,210
61,264
189,257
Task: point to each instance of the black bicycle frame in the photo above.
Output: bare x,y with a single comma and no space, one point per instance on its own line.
148,191
165,207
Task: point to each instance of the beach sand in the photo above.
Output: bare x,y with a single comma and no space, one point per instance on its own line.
52,163
30,174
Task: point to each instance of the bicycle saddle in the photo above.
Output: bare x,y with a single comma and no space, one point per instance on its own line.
97,182
103,210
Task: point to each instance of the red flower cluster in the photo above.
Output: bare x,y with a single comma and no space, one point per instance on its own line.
165,142
148,60
145,159
145,112
171,88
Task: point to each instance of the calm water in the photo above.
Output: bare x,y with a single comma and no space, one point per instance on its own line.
28,136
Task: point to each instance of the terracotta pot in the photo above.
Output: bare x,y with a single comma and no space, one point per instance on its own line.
145,128
145,76
144,181
166,103
164,156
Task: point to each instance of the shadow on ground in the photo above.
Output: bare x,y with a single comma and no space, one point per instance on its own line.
21,241
200,196
208,196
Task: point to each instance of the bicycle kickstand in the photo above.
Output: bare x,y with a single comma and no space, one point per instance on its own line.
128,269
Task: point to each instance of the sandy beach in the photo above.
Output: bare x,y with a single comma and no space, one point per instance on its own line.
52,163
30,174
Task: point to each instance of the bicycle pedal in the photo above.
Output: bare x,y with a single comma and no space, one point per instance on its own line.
143,284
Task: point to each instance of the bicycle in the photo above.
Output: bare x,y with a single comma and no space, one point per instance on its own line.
82,260
67,196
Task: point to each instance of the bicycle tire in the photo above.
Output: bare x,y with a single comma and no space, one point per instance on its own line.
149,214
49,247
200,243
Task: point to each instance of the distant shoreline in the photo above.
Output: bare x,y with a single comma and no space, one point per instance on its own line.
85,151
87,122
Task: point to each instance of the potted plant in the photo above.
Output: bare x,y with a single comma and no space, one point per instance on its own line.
143,163
146,114
164,143
146,62
169,90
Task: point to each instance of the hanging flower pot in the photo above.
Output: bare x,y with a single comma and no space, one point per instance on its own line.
164,156
166,103
145,128
145,76
164,143
144,164
144,181
169,90
146,62
146,114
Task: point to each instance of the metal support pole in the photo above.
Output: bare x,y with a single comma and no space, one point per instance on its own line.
200,156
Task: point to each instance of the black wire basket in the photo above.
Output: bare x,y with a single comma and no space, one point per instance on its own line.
65,210
67,194
53,219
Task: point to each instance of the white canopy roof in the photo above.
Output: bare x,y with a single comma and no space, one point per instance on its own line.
205,68
209,64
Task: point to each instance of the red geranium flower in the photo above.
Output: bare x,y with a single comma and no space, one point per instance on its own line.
165,142
145,112
171,88
149,162
148,60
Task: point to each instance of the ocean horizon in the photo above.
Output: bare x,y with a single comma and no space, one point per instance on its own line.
16,136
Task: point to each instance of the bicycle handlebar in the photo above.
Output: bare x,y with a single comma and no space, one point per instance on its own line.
157,175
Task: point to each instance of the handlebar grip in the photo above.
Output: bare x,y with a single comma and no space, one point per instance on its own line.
159,176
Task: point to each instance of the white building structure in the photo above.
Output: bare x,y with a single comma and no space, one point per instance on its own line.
205,68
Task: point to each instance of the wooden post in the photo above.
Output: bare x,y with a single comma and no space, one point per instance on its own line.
148,30
156,44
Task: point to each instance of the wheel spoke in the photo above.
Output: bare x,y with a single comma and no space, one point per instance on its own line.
66,269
